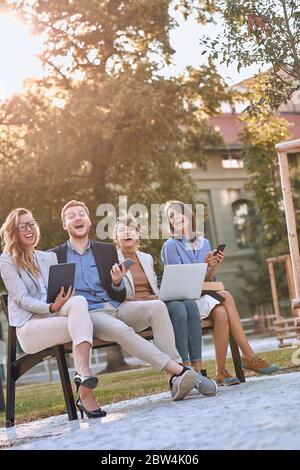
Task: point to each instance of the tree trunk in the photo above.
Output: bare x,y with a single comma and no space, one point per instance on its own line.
115,360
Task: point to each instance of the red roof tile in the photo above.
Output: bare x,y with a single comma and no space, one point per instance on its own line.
229,127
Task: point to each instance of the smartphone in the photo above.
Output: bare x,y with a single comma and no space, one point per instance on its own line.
127,263
219,248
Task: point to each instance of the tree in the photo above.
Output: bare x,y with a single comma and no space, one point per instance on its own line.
266,34
123,137
93,37
123,127
259,137
259,32
118,119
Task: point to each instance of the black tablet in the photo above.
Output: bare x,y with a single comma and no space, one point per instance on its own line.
60,275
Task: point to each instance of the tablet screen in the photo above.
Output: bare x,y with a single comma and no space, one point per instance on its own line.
60,275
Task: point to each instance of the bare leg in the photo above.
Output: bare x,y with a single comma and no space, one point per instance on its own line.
197,365
186,363
236,326
82,364
82,358
221,336
87,398
173,368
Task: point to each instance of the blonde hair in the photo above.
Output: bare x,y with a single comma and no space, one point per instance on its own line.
128,222
10,241
73,203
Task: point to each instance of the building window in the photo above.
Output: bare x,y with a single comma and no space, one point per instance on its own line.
187,165
243,223
192,165
232,161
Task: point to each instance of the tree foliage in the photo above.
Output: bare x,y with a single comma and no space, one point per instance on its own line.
93,37
264,33
120,127
259,137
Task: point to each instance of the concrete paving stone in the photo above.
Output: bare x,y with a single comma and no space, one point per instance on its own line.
263,413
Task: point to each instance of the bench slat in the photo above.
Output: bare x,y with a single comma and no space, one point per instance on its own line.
147,334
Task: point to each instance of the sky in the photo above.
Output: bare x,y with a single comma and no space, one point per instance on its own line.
17,55
185,40
18,49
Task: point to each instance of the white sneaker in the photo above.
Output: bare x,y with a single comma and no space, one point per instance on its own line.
205,385
181,385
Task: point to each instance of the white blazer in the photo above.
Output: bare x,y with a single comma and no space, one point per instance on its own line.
146,261
24,291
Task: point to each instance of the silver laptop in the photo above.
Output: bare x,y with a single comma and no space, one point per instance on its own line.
182,281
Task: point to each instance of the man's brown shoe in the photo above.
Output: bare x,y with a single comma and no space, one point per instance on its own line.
259,365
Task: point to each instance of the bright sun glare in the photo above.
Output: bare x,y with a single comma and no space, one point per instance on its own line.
17,55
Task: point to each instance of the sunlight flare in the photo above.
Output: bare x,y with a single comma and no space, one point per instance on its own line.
18,49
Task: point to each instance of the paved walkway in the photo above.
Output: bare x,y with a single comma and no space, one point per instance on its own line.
260,414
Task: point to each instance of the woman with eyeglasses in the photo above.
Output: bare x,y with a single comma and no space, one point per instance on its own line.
40,325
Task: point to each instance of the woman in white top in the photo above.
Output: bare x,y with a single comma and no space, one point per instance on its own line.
39,324
141,286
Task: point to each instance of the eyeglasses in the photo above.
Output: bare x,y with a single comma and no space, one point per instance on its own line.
31,224
131,230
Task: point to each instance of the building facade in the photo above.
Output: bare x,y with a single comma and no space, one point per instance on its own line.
221,187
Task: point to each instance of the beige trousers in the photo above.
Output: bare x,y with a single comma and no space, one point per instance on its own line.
71,324
120,325
74,323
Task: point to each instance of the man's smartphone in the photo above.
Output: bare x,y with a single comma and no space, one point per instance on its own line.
220,248
127,263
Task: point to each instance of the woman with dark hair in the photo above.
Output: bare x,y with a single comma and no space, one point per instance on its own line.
186,246
140,282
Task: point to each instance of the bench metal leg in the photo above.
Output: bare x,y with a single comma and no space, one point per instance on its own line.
2,403
10,378
65,382
236,357
10,398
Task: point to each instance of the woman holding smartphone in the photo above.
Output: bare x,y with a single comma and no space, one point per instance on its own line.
141,285
40,325
184,246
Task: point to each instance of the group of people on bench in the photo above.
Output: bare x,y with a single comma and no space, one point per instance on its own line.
113,303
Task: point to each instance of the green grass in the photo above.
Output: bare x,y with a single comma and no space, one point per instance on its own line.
38,401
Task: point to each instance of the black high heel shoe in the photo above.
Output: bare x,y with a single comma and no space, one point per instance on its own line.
90,414
88,381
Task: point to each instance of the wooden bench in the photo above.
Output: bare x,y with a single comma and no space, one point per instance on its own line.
16,367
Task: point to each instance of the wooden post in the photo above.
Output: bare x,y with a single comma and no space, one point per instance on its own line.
289,209
274,290
291,287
